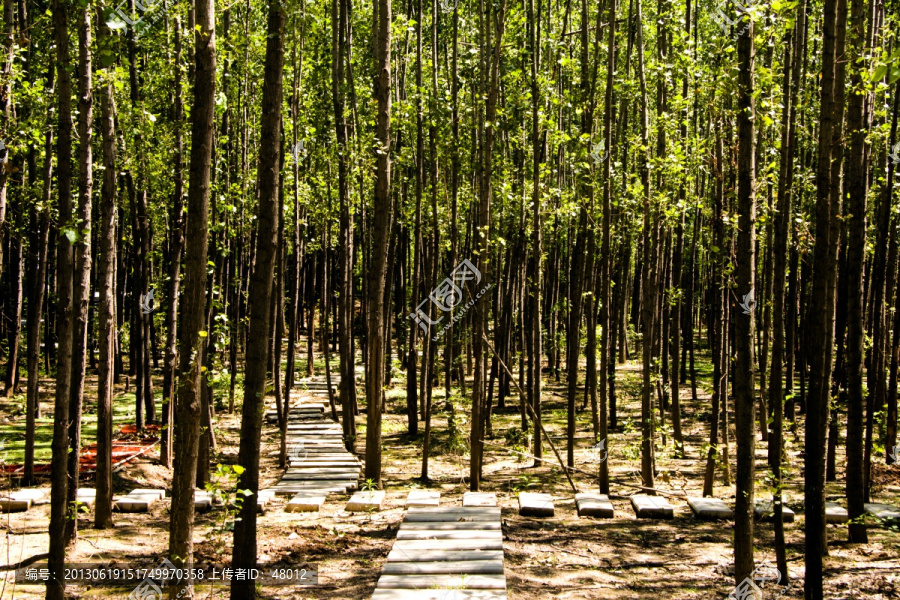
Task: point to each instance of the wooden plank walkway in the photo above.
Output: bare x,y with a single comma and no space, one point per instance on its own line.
318,462
448,553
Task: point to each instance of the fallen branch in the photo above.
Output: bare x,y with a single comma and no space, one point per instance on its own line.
26,562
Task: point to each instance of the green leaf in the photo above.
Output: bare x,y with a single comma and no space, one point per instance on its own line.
238,469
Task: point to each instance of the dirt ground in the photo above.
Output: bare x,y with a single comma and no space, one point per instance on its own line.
564,557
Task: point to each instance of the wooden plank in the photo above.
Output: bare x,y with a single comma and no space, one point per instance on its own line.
450,525
415,545
444,567
300,470
435,555
434,534
454,594
415,582
420,514
317,476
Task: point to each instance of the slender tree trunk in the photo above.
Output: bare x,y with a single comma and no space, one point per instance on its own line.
176,247
187,410
244,555
82,260
59,483
820,314
381,227
744,396
855,219
36,302
107,308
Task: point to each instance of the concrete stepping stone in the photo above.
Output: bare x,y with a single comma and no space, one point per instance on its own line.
883,511
535,505
594,505
651,507
479,499
438,594
423,498
480,567
710,508
21,500
13,502
765,511
262,499
365,501
86,497
835,513
139,500
305,502
426,514
202,500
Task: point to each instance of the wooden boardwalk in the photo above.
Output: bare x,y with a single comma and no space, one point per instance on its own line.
318,462
449,553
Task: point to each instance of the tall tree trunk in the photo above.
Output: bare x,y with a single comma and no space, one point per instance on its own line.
490,77
744,396
535,272
36,300
176,247
856,190
381,227
65,307
244,555
187,410
107,308
647,300
820,314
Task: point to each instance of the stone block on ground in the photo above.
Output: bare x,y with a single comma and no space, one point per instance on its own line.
710,508
885,512
765,511
11,502
835,513
303,502
262,499
202,500
594,505
651,507
86,496
479,499
535,505
423,498
365,501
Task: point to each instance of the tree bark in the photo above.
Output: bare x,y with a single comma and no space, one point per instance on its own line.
381,227
187,410
744,396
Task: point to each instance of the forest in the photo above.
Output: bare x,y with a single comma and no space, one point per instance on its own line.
450,300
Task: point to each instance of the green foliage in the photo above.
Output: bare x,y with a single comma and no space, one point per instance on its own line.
223,487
